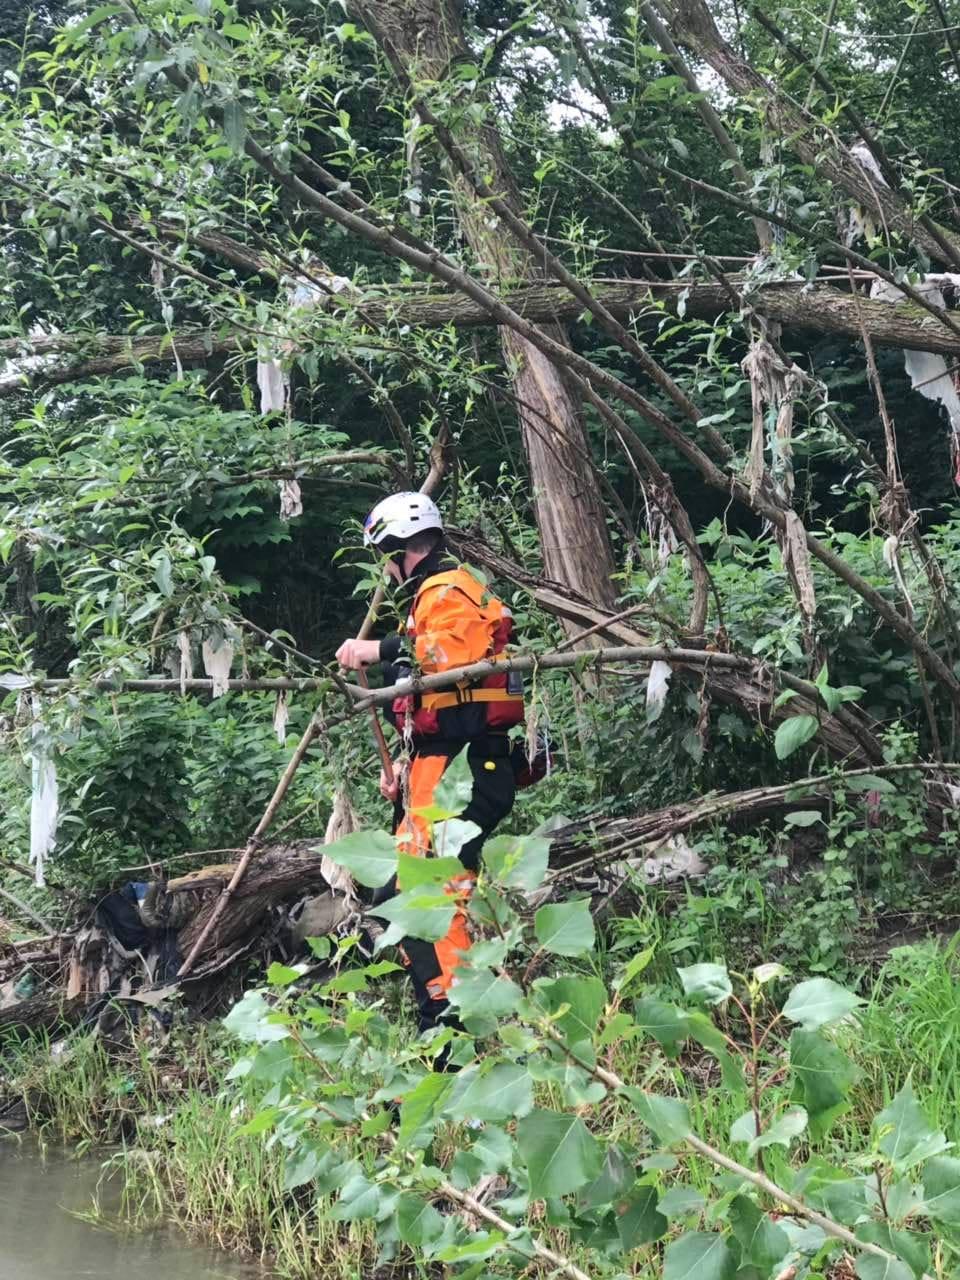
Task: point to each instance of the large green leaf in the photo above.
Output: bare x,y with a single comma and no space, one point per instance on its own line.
665,1022
585,999
699,1255
780,1133
819,1001
565,928
941,1189
452,793
481,993
249,1019
617,1175
912,1247
824,1075
668,1118
763,1243
418,1222
638,1221
793,733
450,836
518,862
414,872
905,1134
707,982
369,856
419,1109
680,1201
417,913
870,1267
360,1199
560,1152
503,1092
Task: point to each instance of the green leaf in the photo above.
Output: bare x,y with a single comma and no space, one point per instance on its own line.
781,1133
416,914
236,31
764,973
249,1020
413,871
418,1223
668,1118
941,1190
869,1267
803,818
281,975
503,1092
453,792
617,1175
869,782
824,1075
370,856
681,1201
419,1107
700,1255
905,1135
559,1151
481,993
764,1244
565,928
301,1166
637,1218
909,1246
665,1022
518,862
792,734
450,835
632,970
585,999
819,1001
358,1200
707,982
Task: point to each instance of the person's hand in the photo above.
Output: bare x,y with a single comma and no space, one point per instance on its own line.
354,654
390,785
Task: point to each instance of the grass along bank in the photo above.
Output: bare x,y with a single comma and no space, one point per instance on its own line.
188,1153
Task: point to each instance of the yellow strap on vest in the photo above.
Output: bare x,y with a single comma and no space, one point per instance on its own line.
463,697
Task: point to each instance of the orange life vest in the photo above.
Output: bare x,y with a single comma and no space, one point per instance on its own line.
455,621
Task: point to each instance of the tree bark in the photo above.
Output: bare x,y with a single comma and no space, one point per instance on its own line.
569,511
819,308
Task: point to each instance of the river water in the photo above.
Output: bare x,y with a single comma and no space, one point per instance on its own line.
41,1238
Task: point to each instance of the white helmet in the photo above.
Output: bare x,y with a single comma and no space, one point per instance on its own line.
400,516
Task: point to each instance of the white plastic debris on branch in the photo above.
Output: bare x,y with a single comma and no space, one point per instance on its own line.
658,683
927,371
303,295
281,715
862,221
44,797
273,385
217,662
291,501
185,664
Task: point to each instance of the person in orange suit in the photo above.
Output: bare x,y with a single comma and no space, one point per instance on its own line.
452,620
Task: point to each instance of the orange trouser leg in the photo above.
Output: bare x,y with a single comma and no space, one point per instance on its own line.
432,965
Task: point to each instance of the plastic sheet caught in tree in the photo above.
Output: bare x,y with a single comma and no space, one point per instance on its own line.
44,797
291,501
927,371
217,661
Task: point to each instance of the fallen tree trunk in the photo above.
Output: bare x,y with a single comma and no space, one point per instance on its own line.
795,304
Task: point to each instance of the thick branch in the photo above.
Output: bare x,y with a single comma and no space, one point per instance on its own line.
817,307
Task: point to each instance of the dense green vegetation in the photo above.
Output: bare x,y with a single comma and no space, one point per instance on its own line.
261,264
